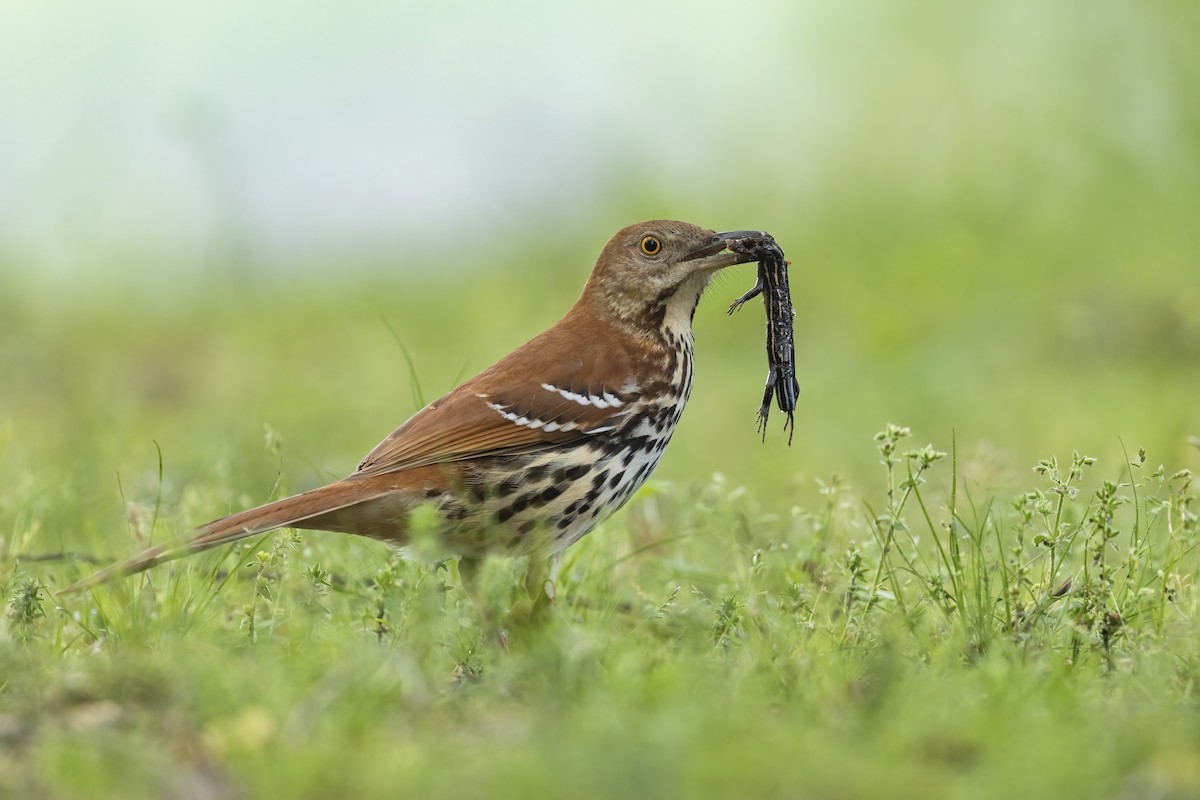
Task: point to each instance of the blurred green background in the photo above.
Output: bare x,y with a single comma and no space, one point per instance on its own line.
218,217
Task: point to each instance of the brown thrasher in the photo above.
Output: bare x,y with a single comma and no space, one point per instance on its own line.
533,452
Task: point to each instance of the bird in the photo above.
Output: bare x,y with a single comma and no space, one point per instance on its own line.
532,453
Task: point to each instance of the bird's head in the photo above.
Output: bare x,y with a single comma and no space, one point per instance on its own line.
655,271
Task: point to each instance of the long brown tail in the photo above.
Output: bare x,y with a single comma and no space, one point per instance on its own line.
313,509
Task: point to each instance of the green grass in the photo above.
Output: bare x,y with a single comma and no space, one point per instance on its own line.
924,637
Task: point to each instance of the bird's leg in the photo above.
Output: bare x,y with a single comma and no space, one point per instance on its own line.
541,576
541,579
468,575
532,608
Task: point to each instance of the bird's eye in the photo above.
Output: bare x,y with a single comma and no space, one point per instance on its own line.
651,245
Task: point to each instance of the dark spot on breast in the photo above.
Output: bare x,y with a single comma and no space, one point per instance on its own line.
637,443
551,492
642,416
616,479
612,446
504,514
527,526
508,486
520,504
599,479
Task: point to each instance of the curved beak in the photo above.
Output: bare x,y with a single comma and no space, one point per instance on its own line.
714,256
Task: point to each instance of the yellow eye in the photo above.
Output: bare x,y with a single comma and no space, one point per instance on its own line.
651,246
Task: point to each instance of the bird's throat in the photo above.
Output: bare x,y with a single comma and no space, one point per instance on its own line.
680,307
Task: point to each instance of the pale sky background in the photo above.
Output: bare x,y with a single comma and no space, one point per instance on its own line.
167,132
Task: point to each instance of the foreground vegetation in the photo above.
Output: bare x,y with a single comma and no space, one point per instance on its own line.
918,642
